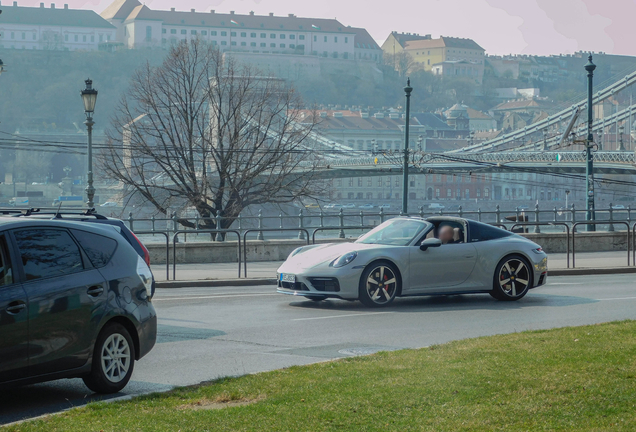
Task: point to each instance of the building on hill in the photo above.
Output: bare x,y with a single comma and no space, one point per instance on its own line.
469,118
447,56
138,26
52,28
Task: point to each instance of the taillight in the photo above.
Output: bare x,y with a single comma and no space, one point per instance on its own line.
146,253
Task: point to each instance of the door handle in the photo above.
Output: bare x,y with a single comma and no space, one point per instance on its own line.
16,307
95,291
469,256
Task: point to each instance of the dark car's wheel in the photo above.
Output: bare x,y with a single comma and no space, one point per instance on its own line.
113,360
513,278
379,284
316,298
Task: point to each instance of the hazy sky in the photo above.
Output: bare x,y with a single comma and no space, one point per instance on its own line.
500,26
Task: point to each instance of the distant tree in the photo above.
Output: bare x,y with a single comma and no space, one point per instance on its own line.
205,132
402,62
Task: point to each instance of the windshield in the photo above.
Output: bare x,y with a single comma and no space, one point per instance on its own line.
397,232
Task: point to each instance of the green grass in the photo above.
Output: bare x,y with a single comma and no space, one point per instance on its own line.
579,378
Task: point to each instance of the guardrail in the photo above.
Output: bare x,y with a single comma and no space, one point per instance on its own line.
340,228
596,223
260,230
174,247
567,230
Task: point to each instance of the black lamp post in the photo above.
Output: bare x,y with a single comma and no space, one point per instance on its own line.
405,177
621,145
589,168
89,97
2,69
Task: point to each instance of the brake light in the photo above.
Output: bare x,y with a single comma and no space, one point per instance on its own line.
146,253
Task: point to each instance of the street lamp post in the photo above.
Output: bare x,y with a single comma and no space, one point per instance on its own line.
405,176
89,97
589,168
621,145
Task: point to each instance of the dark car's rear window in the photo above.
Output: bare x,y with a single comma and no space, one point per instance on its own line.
98,248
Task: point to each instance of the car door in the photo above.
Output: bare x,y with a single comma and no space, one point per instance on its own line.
14,324
66,297
441,268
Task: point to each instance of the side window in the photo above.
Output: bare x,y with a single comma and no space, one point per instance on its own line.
483,232
6,273
48,253
99,249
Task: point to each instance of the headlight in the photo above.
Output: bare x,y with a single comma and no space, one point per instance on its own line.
344,259
295,252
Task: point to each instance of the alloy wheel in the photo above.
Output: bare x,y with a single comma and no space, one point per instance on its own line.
115,357
514,277
381,285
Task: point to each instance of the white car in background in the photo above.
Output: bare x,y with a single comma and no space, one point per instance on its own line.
366,207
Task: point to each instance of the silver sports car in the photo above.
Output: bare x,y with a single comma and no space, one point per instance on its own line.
412,256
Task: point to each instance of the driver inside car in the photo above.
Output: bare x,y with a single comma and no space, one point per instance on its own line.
447,234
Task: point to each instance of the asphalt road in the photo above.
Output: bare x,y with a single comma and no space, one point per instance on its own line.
205,333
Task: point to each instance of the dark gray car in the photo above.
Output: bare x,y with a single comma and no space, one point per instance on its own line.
75,301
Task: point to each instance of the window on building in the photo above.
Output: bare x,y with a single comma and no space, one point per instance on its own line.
223,43
34,36
76,38
449,193
253,35
338,182
213,33
346,39
436,193
204,32
253,44
467,194
23,35
350,195
223,33
263,45
350,181
292,36
148,33
282,36
369,182
486,192
272,36
325,38
335,39
379,195
263,35
173,31
478,192
243,44
292,46
379,181
301,37
92,38
193,32
458,193
397,182
369,195
233,34
359,181
243,34
233,43
282,45
273,45
315,38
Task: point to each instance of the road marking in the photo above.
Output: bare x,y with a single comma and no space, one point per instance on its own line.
618,298
563,283
213,296
342,316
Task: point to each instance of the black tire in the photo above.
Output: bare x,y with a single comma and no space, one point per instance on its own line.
512,278
316,298
379,293
111,376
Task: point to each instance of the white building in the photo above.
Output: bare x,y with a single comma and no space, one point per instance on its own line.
51,28
141,27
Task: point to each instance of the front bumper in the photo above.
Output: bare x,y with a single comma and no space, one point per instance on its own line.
340,282
540,268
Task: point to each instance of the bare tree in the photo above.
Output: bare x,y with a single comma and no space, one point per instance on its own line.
205,132
402,62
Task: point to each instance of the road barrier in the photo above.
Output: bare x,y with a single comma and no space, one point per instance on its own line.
217,232
567,230
596,223
266,230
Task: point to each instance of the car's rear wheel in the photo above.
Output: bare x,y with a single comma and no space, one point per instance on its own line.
113,360
379,284
513,278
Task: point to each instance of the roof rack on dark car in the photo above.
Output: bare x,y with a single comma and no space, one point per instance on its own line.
56,213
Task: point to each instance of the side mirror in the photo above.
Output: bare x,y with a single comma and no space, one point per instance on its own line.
431,242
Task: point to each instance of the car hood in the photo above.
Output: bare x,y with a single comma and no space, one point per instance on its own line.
324,254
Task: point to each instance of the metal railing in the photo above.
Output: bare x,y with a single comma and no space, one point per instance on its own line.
217,232
261,230
167,248
596,223
567,230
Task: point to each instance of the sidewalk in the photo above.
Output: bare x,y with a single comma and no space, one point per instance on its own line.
265,271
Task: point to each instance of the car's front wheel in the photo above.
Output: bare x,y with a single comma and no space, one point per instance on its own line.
513,278
113,360
379,284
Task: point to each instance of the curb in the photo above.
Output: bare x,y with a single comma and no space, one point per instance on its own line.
584,271
215,283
